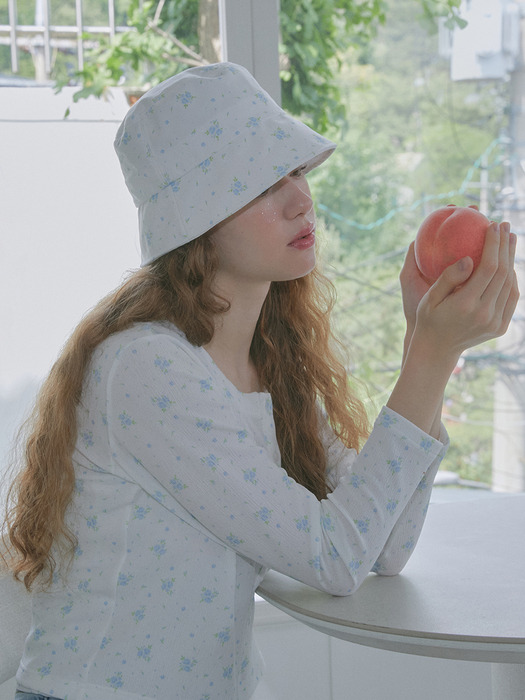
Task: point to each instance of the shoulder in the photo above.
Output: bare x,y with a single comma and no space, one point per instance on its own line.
147,340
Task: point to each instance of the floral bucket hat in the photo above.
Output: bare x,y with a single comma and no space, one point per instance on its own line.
201,145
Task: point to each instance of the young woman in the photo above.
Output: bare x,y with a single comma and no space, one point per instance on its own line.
199,428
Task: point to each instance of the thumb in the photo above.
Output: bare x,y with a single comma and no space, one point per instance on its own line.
453,276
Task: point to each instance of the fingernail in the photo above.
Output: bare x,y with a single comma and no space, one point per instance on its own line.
505,227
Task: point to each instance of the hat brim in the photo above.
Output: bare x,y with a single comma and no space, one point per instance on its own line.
226,181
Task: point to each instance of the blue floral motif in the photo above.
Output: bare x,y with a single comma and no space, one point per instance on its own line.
288,481
387,420
144,653
280,134
92,522
139,614
185,98
356,481
303,524
126,138
45,670
261,97
253,122
38,634
162,402
242,435
167,585
162,363
141,512
355,564
227,672
205,425
97,376
71,643
206,385
159,549
214,130
87,438
363,525
205,164
409,544
211,461
177,484
126,420
281,170
395,465
237,187
327,524
116,680
83,586
265,515
391,505
333,553
105,641
426,444
233,540
208,595
250,475
66,609
223,636
187,664
124,579
316,563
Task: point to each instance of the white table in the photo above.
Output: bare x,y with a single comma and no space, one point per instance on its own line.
461,595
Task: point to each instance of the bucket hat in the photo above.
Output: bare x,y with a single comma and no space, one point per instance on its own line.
201,145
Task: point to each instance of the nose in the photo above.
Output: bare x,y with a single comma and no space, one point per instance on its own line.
298,199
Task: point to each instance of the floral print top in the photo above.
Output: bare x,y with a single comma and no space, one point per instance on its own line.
181,506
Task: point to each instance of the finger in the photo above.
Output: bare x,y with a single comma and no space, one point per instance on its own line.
489,263
451,278
502,275
509,293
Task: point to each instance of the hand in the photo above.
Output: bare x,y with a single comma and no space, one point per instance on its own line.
465,308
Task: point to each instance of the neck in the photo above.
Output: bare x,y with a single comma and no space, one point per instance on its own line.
232,339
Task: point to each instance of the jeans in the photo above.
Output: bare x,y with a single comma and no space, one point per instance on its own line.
20,695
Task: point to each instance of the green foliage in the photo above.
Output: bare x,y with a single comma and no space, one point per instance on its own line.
314,36
410,136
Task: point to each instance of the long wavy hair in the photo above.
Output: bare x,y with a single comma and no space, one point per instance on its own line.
293,350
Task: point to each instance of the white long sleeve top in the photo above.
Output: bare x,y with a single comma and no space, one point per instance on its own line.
181,505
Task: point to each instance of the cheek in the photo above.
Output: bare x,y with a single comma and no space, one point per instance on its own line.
268,212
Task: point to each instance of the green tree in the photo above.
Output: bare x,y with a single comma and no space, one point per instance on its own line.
167,36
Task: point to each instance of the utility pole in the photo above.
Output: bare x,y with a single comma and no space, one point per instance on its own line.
508,467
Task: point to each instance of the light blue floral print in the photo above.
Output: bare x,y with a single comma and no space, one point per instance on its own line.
181,503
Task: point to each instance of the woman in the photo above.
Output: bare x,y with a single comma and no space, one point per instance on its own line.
199,428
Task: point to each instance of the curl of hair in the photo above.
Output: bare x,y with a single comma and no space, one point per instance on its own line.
292,350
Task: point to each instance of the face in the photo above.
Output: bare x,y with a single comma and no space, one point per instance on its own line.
272,239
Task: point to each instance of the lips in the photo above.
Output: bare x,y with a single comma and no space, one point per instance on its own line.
304,239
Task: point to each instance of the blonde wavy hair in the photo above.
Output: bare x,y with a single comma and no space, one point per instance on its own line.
293,349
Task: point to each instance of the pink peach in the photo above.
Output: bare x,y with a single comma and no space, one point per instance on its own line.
447,235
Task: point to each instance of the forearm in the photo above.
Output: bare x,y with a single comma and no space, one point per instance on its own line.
418,393
436,423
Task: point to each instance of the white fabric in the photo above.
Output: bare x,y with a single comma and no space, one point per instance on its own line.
15,621
180,508
203,144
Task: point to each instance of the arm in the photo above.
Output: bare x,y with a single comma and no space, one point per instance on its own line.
182,436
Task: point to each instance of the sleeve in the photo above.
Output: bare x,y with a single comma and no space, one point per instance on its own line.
168,419
405,533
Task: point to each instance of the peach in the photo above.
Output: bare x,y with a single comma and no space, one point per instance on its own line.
447,235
